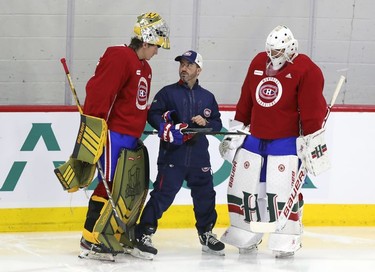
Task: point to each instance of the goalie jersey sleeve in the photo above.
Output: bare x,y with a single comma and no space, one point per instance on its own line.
118,91
282,104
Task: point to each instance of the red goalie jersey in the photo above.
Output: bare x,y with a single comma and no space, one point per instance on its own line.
120,100
282,104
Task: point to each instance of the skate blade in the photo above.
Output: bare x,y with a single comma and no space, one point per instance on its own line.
128,250
141,255
249,250
283,254
206,249
91,255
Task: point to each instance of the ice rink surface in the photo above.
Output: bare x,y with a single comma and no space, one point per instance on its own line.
324,249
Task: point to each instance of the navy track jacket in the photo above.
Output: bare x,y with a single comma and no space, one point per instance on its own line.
187,103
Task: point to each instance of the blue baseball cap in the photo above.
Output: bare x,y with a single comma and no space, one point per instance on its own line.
192,57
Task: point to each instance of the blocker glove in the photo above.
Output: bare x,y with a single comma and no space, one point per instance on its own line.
312,149
230,143
174,133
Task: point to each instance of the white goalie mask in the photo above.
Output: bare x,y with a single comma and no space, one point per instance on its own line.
151,28
281,46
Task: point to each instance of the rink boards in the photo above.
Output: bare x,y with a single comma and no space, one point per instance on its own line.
35,140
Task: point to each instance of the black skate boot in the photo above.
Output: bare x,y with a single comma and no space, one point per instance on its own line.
95,251
143,247
210,244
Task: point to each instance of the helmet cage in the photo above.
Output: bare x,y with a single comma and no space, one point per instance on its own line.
152,29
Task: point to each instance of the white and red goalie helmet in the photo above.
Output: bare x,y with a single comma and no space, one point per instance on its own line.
281,46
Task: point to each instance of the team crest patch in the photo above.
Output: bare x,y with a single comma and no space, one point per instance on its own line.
206,169
268,92
207,113
142,95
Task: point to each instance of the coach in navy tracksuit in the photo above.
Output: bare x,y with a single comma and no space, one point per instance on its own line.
183,156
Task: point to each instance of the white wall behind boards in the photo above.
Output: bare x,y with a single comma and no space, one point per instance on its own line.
35,34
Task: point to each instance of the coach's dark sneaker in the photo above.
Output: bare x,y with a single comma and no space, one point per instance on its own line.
211,244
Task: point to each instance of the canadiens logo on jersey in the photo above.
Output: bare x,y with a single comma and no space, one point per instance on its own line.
268,92
207,113
142,95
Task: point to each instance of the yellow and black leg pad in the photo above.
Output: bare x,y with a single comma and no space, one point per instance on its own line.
100,226
129,191
131,186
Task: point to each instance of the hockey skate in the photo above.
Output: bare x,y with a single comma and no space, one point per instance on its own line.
249,250
95,252
143,248
210,244
284,245
127,249
283,254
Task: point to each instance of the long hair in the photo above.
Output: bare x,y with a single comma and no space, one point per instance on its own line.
135,43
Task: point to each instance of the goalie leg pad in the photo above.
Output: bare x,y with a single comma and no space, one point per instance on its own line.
129,191
240,238
243,193
281,171
100,226
131,184
243,189
282,244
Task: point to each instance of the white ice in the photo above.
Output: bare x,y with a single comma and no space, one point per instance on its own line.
324,249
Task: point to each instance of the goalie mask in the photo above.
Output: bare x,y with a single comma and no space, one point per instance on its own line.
151,28
281,46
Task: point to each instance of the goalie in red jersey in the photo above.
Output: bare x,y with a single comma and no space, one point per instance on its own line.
118,92
281,101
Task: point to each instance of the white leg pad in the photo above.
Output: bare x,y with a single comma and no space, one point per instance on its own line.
243,200
281,170
284,242
241,238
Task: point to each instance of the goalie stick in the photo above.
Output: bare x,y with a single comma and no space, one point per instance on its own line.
98,164
205,131
279,224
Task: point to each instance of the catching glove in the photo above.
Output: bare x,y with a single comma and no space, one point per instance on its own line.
231,143
174,133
